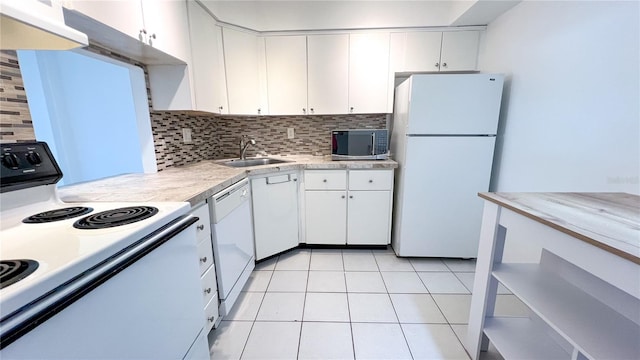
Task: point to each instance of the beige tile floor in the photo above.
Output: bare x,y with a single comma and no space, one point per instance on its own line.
353,304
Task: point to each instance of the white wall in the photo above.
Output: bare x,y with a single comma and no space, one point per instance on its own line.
570,119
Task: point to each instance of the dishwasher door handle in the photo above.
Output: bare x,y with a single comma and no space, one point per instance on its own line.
272,180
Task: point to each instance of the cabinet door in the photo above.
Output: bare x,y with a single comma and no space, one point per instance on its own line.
241,64
328,73
369,218
167,26
207,67
275,214
368,69
420,50
459,50
123,15
326,217
286,74
220,88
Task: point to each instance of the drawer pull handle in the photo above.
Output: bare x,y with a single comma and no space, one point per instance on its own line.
200,227
207,291
325,180
343,196
211,318
370,181
350,196
203,259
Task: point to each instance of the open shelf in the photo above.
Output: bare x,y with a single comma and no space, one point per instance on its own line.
593,328
519,338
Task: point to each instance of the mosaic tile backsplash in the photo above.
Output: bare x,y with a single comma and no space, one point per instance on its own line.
218,136
311,133
214,136
15,118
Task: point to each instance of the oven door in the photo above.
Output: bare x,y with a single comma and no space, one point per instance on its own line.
150,309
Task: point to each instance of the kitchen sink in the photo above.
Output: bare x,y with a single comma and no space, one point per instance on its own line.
253,162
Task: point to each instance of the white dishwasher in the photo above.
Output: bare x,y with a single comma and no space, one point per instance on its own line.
232,236
275,213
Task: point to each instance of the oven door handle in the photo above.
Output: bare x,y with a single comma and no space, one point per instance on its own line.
27,318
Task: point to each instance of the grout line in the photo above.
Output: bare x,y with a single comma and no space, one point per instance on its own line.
304,304
396,313
424,284
246,342
353,341
462,282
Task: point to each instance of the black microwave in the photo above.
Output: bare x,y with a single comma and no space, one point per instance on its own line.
360,144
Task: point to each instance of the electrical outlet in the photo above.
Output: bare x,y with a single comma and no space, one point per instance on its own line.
186,136
290,133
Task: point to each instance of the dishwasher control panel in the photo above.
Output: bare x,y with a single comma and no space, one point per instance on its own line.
228,199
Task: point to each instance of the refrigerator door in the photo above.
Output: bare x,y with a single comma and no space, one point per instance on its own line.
449,104
438,212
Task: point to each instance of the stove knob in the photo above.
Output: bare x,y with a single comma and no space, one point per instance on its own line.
34,158
10,161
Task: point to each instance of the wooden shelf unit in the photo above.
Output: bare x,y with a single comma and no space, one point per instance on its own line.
589,325
583,292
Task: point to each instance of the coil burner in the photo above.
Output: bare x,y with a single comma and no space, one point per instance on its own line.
57,215
12,271
115,217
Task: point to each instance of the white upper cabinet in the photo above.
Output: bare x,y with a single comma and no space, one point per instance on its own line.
241,57
132,26
328,73
286,61
420,51
459,50
123,15
368,69
167,27
162,24
415,51
207,65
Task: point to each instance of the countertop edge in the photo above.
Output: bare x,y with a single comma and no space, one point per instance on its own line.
511,205
206,178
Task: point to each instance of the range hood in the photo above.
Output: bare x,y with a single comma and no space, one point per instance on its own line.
36,25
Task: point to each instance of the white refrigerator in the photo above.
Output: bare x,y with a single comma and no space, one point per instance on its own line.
443,138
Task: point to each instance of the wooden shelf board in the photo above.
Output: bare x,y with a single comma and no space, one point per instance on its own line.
593,328
519,338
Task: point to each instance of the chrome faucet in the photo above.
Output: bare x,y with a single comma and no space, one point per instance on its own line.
244,145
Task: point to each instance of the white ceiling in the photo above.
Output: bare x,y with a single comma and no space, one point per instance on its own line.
292,15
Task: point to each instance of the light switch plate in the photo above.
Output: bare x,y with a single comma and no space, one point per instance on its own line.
186,136
290,133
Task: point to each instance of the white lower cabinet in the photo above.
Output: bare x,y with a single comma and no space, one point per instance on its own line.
207,267
326,217
275,213
368,216
350,207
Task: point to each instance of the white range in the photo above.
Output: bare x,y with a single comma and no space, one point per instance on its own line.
93,280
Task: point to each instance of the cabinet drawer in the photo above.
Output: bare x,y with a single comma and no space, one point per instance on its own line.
371,180
211,313
205,255
325,179
203,226
209,286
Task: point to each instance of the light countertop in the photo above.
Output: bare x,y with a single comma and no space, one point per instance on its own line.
610,221
195,182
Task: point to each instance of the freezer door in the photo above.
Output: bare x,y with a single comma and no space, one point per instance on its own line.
438,212
444,104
